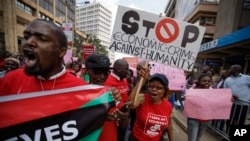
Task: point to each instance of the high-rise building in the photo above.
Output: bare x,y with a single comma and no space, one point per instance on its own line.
16,14
95,20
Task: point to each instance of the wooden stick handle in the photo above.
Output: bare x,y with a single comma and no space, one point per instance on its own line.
139,87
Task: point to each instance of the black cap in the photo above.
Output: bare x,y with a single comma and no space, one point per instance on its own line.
161,77
97,61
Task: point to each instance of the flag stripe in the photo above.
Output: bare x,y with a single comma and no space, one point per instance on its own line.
38,107
46,93
101,99
84,121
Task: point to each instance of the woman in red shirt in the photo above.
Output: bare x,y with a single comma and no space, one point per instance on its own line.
153,113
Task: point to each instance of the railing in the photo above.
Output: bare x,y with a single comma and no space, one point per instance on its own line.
239,116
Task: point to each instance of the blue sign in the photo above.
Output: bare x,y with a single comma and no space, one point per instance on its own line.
214,62
235,37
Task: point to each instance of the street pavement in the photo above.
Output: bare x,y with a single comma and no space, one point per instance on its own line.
181,121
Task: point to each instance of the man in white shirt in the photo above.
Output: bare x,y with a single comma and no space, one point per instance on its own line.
240,86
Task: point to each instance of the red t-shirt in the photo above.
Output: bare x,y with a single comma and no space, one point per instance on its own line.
121,85
17,82
151,119
109,130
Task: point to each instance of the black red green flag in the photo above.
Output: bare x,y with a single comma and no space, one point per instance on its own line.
76,113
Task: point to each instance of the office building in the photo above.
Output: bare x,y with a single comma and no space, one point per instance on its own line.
16,14
95,20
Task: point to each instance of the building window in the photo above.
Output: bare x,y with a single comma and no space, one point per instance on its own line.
71,16
60,10
24,7
211,1
246,4
46,4
2,45
43,16
207,20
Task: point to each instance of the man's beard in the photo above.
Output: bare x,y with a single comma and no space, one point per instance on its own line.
32,71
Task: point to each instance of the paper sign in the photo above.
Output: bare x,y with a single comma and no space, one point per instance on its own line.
68,57
68,31
208,104
175,76
160,39
87,50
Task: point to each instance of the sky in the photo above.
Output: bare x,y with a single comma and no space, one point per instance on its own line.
152,6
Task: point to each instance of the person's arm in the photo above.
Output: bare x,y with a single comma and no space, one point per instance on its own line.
170,130
145,75
123,118
132,96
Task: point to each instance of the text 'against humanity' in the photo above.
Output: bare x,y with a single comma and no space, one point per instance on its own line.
153,50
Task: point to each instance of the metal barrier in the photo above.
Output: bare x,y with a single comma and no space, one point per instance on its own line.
239,116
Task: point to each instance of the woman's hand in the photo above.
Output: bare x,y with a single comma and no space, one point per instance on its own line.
144,72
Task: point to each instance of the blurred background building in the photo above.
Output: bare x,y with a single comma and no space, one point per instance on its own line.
16,14
227,37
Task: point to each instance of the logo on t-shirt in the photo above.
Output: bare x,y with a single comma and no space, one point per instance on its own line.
154,124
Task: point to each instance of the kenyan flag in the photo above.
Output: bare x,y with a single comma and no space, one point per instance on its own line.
76,113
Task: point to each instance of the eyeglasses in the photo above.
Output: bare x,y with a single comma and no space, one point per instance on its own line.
100,72
156,87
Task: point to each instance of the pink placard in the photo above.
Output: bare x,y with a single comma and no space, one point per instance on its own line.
175,76
68,56
208,104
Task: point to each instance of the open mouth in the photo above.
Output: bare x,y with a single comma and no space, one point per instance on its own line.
29,54
29,58
153,95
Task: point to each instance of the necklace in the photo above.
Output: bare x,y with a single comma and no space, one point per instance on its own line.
53,86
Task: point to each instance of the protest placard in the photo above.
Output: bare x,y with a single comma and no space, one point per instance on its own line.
175,76
207,104
154,38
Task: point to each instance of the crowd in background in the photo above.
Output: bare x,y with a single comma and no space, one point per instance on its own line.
149,115
13,61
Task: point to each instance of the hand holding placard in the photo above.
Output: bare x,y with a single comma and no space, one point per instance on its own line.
142,79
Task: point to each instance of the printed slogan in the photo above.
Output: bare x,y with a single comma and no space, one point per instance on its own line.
154,123
159,39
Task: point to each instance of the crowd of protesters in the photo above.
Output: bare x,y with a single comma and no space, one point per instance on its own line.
10,61
41,67
231,79
43,50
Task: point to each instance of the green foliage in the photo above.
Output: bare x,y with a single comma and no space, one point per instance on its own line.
98,47
79,40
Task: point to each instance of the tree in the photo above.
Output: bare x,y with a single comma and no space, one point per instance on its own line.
78,41
99,48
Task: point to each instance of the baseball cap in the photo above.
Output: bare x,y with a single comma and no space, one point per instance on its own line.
161,77
97,61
